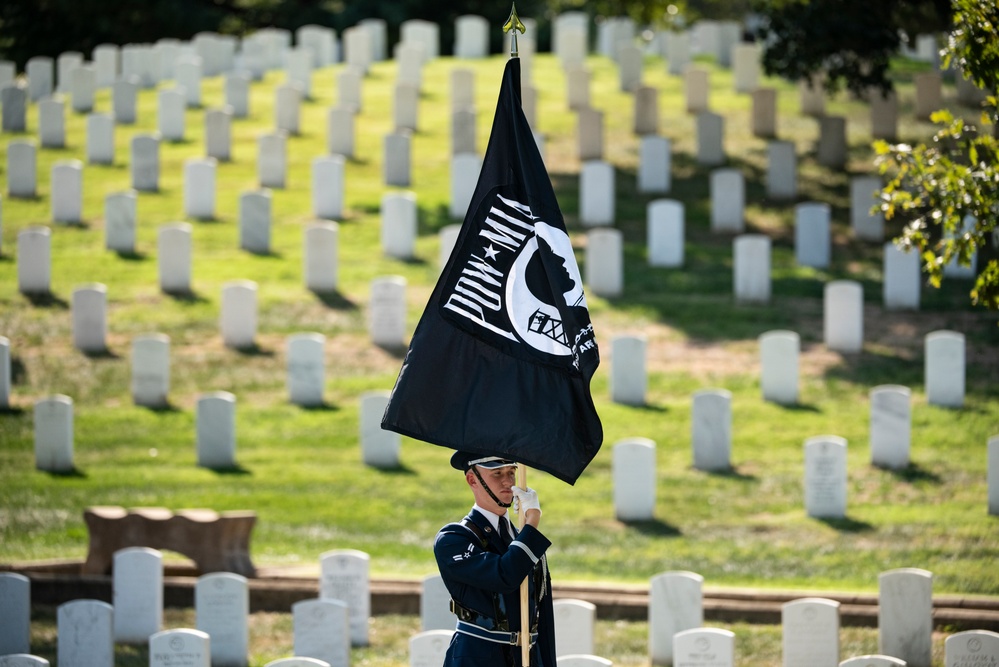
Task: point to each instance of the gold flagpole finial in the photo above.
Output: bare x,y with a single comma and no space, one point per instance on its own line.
513,23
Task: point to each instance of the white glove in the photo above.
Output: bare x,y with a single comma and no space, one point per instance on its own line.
525,499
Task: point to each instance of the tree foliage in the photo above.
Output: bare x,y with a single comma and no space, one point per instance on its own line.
934,188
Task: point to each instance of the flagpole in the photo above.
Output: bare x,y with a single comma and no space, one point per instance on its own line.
514,25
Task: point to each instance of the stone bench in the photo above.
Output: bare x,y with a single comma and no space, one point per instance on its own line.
216,542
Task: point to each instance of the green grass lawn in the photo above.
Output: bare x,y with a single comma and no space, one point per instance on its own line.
300,470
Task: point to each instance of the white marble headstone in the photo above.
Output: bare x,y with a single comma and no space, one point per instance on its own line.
215,421
745,58
151,370
583,660
320,256
174,256
696,89
654,164
119,221
145,162
399,223
53,419
435,611
590,134
222,611
306,369
448,237
345,575
218,134
238,318
704,647
710,139
297,662
428,648
137,591
891,426
51,121
779,353
711,429
578,88
751,268
944,368
34,260
812,240
199,188
597,193
255,222
905,615
465,169
180,648
379,447
843,316
605,262
397,162
676,604
575,621
902,278
67,192
272,159
628,375
764,113
884,116
236,91
171,104
22,168
15,613
782,176
810,631
971,648
288,107
993,474
5,375
825,477
387,311
873,661
322,631
348,85
41,77
471,37
646,111
832,147
728,200
100,139
340,131
85,634
22,660
328,187
89,311
634,473
665,233
406,107
124,101
866,226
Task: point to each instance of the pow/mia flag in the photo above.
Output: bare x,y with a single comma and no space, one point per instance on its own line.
501,361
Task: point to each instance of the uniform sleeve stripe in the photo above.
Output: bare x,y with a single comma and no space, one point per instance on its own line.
518,543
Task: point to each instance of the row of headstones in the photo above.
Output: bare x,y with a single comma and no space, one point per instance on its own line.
810,627
779,352
215,412
326,627
825,479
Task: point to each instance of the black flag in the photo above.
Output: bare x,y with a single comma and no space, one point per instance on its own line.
501,361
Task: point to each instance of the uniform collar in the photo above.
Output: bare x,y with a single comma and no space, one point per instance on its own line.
491,517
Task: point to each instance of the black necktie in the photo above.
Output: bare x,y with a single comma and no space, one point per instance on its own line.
504,531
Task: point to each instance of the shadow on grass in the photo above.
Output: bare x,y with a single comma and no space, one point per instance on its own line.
165,408
654,528
72,473
132,255
320,407
234,470
732,473
397,351
913,473
185,296
650,407
254,350
46,300
335,300
12,410
400,469
106,353
266,254
800,407
848,525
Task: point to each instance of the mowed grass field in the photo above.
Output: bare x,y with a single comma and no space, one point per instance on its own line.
300,469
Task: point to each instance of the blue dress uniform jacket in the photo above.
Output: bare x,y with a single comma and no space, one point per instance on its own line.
481,577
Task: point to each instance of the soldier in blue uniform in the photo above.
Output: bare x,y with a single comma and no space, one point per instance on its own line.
483,561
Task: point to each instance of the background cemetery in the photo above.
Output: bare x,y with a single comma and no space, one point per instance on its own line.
207,280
